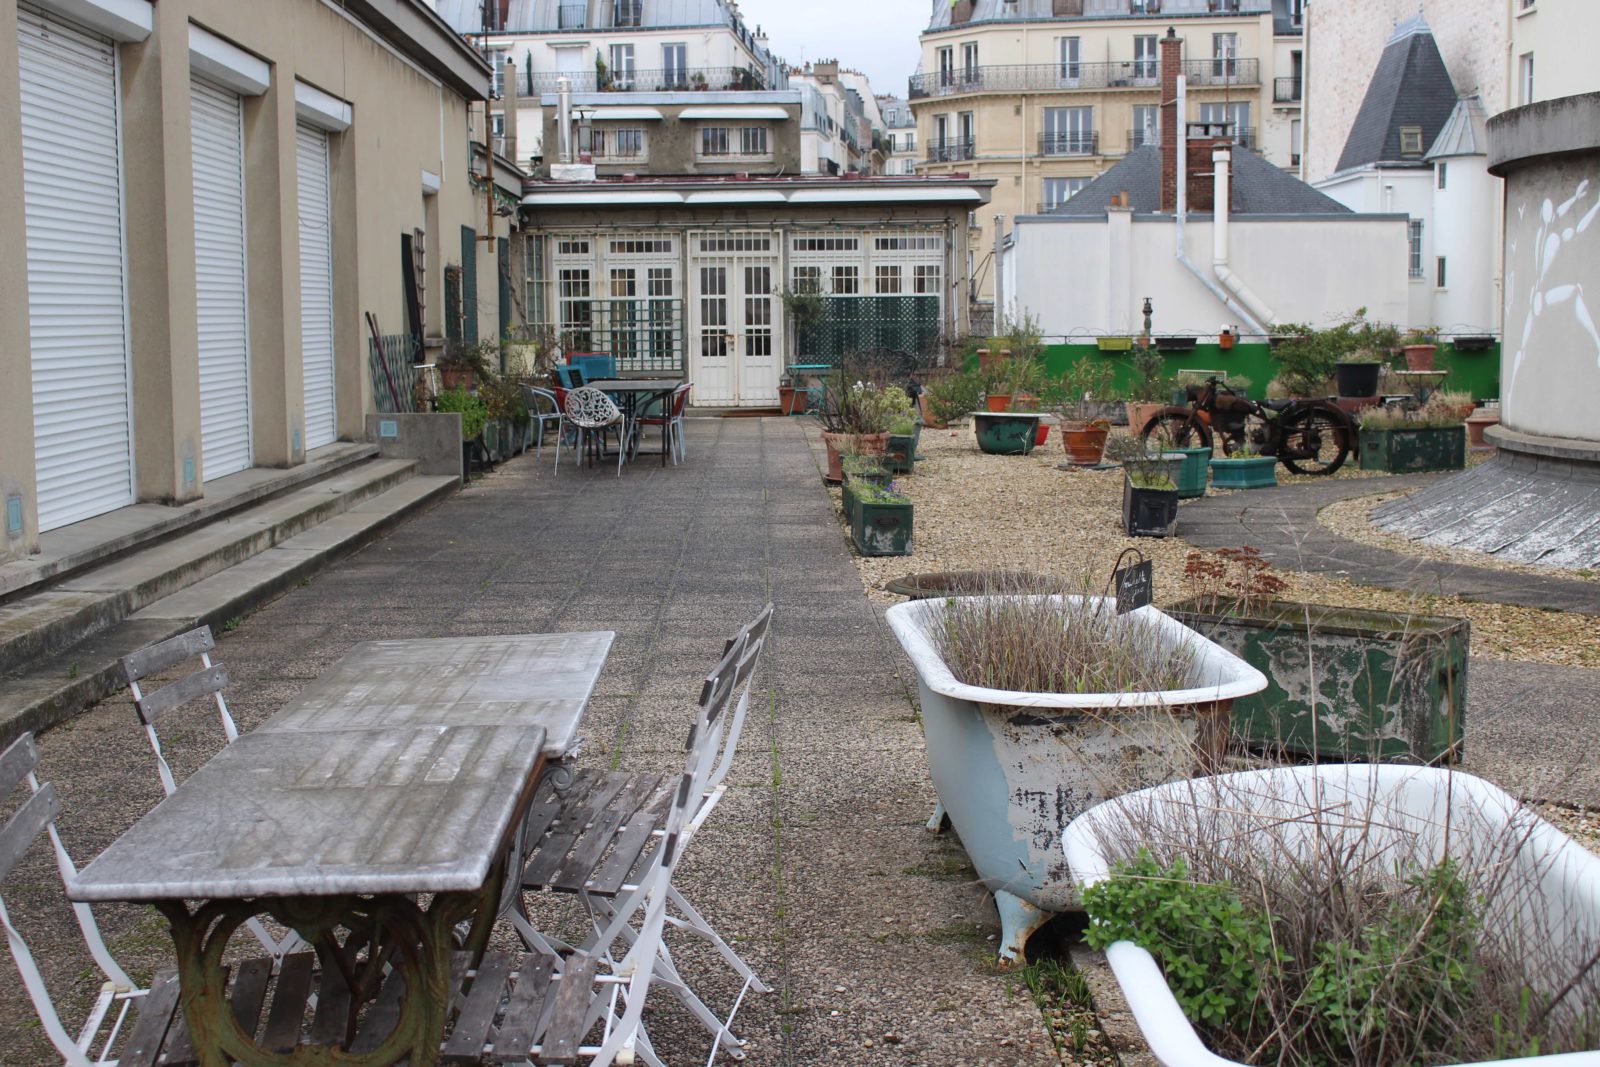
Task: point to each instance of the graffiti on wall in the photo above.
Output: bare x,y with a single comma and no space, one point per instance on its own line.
1556,264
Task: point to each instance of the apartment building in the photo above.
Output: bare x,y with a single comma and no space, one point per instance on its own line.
1043,95
831,124
208,196
900,136
615,47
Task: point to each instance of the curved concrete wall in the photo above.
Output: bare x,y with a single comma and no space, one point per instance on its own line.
1549,155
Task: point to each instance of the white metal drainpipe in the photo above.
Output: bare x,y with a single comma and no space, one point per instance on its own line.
1221,162
564,119
1182,152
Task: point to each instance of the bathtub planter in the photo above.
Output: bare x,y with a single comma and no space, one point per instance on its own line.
1005,434
1013,768
1438,808
1390,687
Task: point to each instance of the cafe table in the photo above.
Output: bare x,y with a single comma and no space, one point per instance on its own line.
636,395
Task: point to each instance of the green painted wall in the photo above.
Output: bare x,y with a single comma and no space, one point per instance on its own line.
1477,373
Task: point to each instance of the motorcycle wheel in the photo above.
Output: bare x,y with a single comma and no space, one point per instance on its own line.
1173,429
1315,441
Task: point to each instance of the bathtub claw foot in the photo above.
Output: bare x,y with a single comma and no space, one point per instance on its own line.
1018,921
939,821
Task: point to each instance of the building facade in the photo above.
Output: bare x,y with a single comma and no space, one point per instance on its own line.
212,195
831,121
617,47
900,136
697,276
1043,95
682,133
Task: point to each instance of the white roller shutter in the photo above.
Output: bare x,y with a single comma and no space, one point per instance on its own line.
77,309
316,283
217,116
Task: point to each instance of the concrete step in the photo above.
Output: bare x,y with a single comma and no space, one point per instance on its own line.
58,617
58,685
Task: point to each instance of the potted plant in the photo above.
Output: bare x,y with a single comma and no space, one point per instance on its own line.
1387,686
900,455
1083,432
856,414
882,522
1150,495
473,419
1433,438
1037,707
952,397
1479,421
1308,357
1147,395
1294,915
1357,373
1419,347
1244,469
1114,344
461,365
1006,433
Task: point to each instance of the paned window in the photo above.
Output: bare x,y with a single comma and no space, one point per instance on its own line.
846,281
1069,49
1439,274
713,140
1146,56
1440,171
886,279
1416,248
1146,125
753,141
925,279
627,12
577,312
808,279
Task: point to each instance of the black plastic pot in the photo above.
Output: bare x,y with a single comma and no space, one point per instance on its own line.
1357,379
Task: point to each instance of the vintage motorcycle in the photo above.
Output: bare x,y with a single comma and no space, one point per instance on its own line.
1307,436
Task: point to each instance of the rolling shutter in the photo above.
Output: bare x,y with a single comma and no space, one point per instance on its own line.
220,287
77,308
316,284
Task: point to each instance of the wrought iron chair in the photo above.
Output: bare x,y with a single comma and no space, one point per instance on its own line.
592,413
587,839
208,681
672,416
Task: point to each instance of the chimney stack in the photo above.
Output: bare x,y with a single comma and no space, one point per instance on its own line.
1171,121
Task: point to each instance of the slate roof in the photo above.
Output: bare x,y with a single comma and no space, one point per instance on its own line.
1410,87
1465,132
1259,188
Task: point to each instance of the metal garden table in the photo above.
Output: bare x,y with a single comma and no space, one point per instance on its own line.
406,769
637,394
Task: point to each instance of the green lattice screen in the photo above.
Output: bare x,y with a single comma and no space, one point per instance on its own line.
907,324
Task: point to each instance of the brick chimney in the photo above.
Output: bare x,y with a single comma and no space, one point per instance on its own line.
1202,138
1171,124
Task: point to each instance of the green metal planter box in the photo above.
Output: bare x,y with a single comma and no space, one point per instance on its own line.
1148,512
1192,479
882,529
1249,472
1388,687
900,457
1005,434
849,500
1436,448
1114,344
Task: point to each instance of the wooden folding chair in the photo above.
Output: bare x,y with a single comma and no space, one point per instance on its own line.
208,681
594,839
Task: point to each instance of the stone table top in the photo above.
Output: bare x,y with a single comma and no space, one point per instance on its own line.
410,809
516,679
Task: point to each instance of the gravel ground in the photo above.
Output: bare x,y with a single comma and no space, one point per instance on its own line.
975,511
1352,519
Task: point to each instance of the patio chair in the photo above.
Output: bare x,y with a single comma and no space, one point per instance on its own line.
596,365
672,416
593,414
207,681
543,408
588,839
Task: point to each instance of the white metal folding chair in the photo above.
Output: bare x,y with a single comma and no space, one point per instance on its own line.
543,409
592,413
119,995
589,840
208,681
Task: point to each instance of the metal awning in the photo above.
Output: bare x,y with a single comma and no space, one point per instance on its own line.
625,114
737,196
734,111
618,198
881,196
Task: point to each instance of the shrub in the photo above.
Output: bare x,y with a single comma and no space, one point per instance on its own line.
1308,355
473,412
955,396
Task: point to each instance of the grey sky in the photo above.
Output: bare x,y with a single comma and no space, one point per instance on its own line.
876,37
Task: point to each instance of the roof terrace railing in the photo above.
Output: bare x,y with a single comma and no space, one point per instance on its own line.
1066,77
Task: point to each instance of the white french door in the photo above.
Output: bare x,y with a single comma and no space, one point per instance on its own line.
221,300
733,319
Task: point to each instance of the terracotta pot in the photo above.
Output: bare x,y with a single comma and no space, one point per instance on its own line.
1141,412
1479,422
1085,442
451,377
868,444
927,413
1420,357
987,359
998,402
1044,435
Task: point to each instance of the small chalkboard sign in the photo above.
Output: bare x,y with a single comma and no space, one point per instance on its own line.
1135,586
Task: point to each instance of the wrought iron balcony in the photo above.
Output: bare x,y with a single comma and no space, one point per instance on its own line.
1287,90
670,79
1066,77
950,151
1069,144
572,16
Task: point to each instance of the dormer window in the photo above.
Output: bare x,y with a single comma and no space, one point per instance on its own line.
1411,141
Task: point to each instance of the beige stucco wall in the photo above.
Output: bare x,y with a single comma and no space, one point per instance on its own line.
405,121
1344,41
1560,34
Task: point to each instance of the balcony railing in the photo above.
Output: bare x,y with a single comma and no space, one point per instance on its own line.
1065,77
1069,144
1244,136
1286,90
572,16
950,151
679,79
